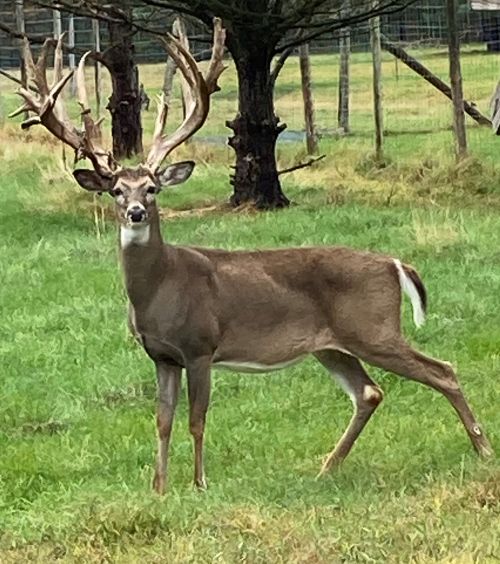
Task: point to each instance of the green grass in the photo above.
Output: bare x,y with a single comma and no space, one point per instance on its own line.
77,431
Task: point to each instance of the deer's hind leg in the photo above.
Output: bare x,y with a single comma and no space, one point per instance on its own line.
198,377
400,358
364,393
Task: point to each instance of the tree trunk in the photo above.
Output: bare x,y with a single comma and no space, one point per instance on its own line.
256,128
125,101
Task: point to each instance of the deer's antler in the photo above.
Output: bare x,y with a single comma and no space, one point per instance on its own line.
44,101
92,138
196,94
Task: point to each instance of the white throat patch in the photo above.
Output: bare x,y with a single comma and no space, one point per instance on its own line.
134,235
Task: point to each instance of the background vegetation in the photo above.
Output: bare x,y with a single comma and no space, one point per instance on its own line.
77,432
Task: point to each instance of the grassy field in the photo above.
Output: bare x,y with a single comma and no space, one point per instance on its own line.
77,431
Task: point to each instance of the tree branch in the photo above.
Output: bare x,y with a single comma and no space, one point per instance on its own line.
280,63
310,162
17,80
328,27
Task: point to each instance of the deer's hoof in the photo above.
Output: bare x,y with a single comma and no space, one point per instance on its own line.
159,485
200,484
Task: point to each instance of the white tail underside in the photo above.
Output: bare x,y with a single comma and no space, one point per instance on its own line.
411,291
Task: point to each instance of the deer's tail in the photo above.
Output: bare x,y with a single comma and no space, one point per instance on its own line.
413,287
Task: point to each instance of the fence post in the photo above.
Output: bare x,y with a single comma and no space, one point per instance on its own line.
344,54
97,68
456,81
305,75
57,23
71,56
21,29
377,85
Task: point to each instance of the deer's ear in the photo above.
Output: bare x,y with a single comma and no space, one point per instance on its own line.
175,173
92,181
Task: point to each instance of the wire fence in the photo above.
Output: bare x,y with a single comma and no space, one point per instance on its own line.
421,24
411,103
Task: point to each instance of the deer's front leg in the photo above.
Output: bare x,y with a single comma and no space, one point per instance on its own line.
169,380
198,376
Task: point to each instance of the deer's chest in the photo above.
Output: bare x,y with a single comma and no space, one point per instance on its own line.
154,321
179,331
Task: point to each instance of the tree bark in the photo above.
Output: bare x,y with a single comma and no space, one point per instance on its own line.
256,127
125,102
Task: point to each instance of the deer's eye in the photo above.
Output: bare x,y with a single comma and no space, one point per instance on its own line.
152,190
117,192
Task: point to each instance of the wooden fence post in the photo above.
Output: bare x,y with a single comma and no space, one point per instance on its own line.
57,23
456,80
344,57
97,67
19,8
71,56
377,85
305,74
422,71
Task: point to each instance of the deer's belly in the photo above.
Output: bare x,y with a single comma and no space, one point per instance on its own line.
255,367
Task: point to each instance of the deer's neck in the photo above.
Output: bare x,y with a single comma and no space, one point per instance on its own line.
143,256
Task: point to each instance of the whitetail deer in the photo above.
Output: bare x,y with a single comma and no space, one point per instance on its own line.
196,308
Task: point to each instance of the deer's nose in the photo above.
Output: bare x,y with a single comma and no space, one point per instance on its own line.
136,214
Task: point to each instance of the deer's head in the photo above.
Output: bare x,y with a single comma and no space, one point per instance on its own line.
133,188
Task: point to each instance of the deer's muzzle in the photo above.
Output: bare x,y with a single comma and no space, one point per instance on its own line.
136,213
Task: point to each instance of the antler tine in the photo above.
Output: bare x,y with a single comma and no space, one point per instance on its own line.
161,116
92,139
184,60
197,102
41,68
59,107
179,30
21,110
216,67
81,89
28,61
50,112
196,112
43,100
58,58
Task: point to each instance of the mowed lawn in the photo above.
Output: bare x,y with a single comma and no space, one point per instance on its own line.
77,396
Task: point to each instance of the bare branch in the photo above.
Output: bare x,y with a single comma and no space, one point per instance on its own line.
280,63
328,26
17,80
309,162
